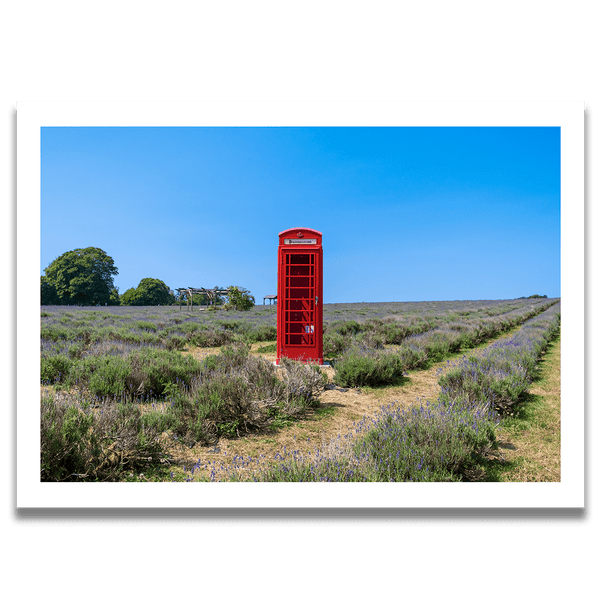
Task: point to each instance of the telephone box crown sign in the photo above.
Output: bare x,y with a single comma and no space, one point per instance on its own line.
300,235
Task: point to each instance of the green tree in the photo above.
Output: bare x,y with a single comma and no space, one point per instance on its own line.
49,296
114,297
149,292
82,276
128,298
239,298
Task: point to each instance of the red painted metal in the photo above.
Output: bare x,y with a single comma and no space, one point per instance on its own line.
300,295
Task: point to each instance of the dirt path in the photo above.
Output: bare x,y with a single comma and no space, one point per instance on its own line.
324,430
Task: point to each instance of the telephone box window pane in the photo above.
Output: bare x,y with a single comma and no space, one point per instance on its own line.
300,282
300,259
298,316
298,304
300,340
301,270
296,327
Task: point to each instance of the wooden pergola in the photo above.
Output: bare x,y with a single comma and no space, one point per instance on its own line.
211,295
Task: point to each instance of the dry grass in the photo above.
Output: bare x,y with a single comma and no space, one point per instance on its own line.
531,443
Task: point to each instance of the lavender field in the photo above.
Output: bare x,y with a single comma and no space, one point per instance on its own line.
116,385
71,330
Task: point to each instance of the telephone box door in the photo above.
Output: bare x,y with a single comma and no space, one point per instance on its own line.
299,295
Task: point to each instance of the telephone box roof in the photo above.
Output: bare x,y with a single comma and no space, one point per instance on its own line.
308,229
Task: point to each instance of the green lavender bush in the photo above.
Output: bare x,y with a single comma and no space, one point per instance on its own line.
434,442
237,393
142,373
78,443
362,365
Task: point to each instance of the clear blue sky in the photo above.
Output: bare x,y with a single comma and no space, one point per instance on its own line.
407,213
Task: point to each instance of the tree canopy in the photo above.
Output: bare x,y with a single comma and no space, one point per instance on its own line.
149,292
49,295
81,276
239,298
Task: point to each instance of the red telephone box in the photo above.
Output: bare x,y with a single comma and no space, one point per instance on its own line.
300,295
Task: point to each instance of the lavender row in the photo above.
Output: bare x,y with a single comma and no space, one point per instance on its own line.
452,337
431,314
367,362
502,373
